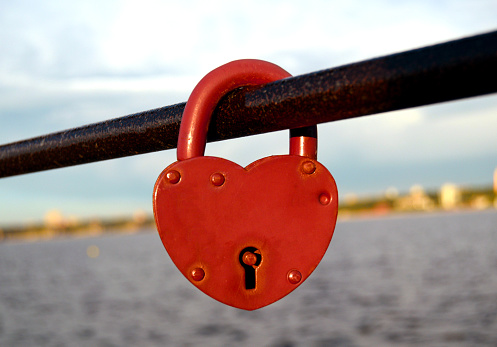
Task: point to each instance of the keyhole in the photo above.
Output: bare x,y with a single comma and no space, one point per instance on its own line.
250,258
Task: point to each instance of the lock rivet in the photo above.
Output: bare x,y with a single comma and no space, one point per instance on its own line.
173,176
198,274
217,179
249,258
308,167
324,199
294,276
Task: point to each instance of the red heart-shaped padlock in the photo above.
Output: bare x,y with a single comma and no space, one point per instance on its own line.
244,236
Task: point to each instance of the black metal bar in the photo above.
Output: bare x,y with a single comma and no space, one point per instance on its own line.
448,71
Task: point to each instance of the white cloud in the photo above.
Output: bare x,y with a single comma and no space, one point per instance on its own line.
417,135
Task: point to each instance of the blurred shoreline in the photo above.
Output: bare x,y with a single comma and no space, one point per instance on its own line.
448,198
90,228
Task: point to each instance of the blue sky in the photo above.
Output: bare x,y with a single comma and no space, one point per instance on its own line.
66,64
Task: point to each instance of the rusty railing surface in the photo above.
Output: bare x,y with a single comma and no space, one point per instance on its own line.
443,72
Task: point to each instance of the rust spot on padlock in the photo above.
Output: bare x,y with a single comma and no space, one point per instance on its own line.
278,213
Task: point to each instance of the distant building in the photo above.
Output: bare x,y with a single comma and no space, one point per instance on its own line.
480,202
416,200
391,193
139,217
450,196
54,219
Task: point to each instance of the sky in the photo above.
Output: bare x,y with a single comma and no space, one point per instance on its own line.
65,64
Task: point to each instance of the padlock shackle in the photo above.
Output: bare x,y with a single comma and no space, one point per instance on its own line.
217,83
304,141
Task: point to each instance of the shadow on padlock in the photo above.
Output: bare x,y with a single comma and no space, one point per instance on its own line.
249,236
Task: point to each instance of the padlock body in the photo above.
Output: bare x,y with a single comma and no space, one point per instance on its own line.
283,206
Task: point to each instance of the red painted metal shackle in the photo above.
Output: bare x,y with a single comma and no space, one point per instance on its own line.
217,83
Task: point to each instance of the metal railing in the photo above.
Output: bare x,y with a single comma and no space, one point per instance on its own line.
443,72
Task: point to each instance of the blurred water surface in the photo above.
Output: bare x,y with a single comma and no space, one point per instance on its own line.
427,280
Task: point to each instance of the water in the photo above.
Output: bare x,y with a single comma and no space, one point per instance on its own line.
427,280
